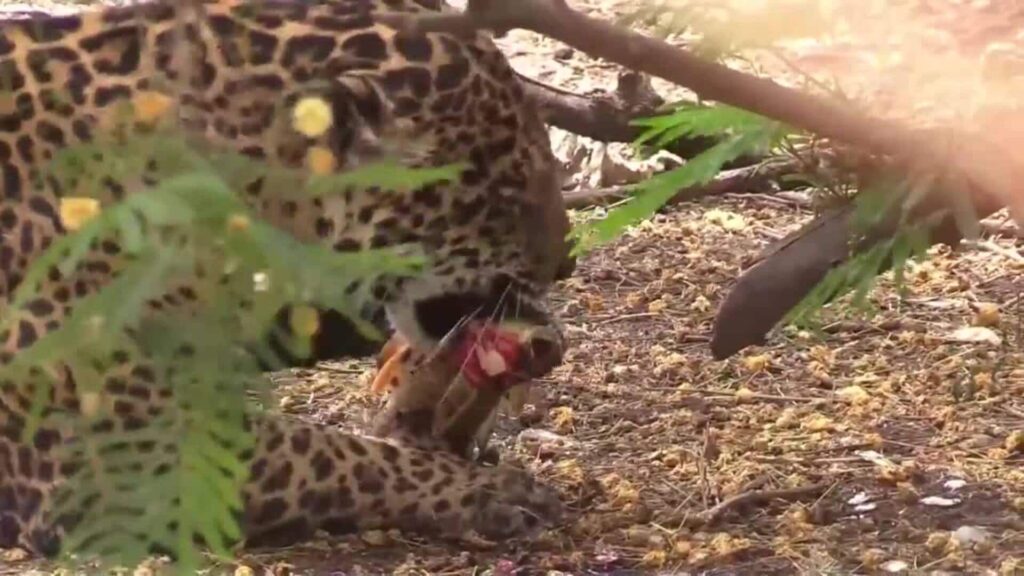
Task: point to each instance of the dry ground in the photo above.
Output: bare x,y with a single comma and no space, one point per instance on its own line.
905,429
647,431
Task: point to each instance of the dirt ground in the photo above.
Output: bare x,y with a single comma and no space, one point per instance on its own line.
895,441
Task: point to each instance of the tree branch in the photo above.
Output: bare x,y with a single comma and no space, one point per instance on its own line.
746,179
755,498
604,117
986,167
788,270
964,162
608,117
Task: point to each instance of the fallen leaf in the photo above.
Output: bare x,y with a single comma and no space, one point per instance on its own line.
758,363
976,334
724,544
621,491
700,304
726,220
817,423
570,472
562,419
657,306
853,394
1011,567
787,419
872,558
937,541
654,559
14,555
744,394
1015,441
987,314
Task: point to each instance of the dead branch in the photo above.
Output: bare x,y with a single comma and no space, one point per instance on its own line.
608,116
754,498
604,116
747,179
788,270
982,167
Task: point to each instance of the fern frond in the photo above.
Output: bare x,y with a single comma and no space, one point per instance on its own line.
745,134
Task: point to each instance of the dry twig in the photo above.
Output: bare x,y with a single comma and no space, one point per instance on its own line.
746,179
752,498
609,116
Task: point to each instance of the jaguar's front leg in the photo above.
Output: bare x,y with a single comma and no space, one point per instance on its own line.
307,477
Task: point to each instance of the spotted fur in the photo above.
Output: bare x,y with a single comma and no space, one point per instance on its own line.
497,231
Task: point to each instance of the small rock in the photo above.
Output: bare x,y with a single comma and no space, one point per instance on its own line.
564,53
14,555
976,335
940,501
955,483
858,499
374,537
534,436
970,535
895,566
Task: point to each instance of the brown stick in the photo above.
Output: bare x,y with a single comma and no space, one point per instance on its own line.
983,166
603,117
788,270
608,117
747,179
754,497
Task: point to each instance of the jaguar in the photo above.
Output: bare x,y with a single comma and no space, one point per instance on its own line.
494,239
